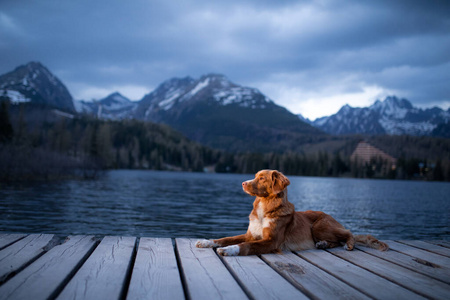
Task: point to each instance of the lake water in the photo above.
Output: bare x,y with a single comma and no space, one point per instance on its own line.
172,204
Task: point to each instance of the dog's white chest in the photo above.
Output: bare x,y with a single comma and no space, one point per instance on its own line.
257,224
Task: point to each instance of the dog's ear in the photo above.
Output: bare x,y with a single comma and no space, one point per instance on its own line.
279,182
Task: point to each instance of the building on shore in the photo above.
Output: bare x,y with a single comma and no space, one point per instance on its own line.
368,155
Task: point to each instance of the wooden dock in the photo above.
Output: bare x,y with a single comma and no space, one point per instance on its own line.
43,266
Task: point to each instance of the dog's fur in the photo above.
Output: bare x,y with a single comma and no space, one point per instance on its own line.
275,226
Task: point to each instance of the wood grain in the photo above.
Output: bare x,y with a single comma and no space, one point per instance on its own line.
412,263
19,254
361,279
103,275
311,280
260,280
7,239
47,275
411,280
421,254
155,273
427,247
205,275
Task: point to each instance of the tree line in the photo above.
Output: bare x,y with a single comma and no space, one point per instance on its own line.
83,146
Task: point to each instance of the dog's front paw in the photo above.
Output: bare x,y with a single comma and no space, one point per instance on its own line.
229,251
205,244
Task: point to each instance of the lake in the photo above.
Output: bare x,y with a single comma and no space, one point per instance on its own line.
177,204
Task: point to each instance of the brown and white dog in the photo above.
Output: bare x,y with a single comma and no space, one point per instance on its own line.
275,226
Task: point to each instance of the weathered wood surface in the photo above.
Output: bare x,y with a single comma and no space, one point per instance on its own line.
19,254
260,280
310,279
155,272
48,274
205,275
7,239
41,266
427,247
360,279
418,283
104,274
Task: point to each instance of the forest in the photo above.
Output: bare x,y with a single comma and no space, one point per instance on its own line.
38,148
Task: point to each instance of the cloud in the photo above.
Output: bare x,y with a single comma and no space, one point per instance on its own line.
298,52
89,92
314,99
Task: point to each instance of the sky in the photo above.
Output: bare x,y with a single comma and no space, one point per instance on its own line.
311,57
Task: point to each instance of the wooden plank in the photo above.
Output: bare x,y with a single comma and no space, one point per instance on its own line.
19,254
311,280
205,276
421,254
44,278
441,243
260,280
362,280
412,263
413,281
8,239
155,273
103,275
428,247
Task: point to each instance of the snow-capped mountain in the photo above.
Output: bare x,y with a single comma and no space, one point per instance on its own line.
392,116
219,113
35,84
113,107
179,92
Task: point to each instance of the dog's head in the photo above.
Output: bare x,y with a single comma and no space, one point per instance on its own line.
266,183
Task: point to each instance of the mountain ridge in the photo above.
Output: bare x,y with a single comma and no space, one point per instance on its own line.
220,113
392,116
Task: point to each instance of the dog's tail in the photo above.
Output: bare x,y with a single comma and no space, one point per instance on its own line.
371,242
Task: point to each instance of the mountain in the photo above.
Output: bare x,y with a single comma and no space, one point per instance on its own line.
35,84
392,116
113,107
219,113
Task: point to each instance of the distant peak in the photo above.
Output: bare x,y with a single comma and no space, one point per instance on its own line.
345,109
214,76
177,81
116,96
34,64
401,103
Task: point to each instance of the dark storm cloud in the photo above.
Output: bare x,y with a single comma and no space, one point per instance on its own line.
295,51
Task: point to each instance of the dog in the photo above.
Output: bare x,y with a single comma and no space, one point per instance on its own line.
275,226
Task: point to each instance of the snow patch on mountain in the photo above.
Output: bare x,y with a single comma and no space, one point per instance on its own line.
199,87
392,116
15,97
398,127
245,97
167,104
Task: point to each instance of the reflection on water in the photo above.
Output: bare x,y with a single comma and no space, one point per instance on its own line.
165,204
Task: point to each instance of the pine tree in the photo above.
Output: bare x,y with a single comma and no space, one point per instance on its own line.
6,129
